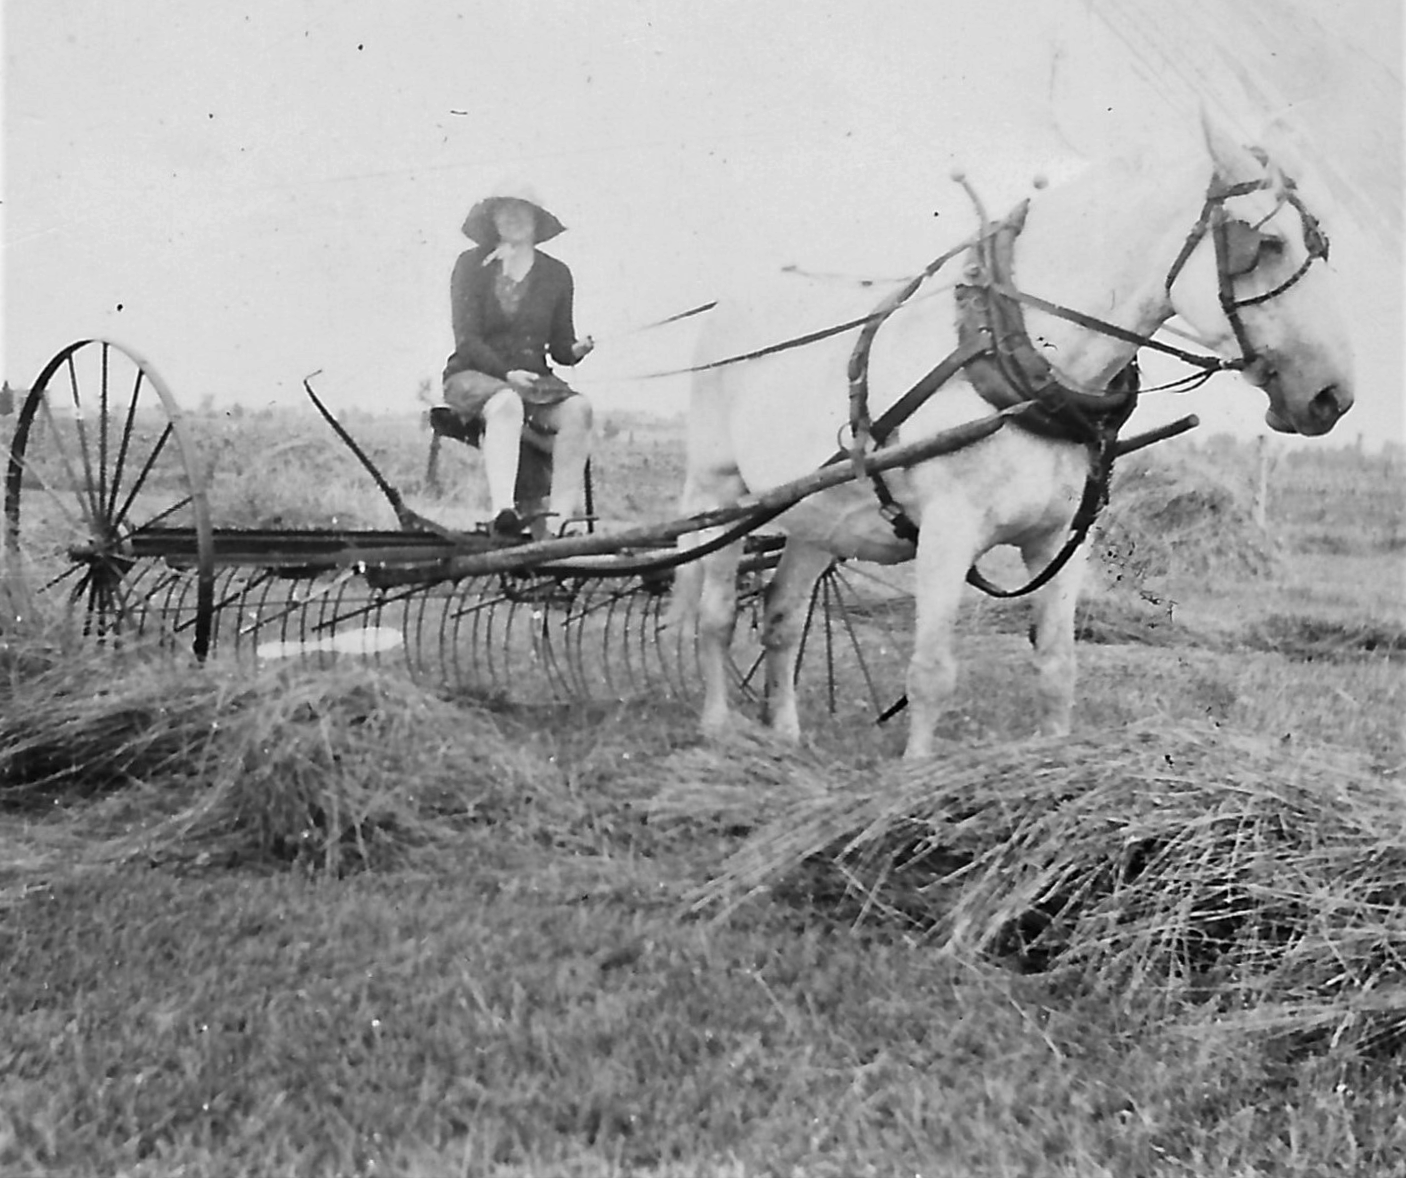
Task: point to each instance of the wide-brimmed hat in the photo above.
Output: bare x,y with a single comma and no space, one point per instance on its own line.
479,227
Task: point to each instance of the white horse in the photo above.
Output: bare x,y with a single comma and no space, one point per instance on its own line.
1223,241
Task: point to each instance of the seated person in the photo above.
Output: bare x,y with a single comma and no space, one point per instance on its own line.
511,307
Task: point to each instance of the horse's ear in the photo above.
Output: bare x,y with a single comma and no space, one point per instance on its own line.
1235,163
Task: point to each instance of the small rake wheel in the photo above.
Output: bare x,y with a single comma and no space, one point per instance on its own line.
99,459
854,642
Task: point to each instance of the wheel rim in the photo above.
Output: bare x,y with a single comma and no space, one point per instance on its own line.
99,455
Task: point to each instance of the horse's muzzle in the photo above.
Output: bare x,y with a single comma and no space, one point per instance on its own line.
1318,416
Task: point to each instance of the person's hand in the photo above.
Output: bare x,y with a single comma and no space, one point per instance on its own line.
520,377
583,348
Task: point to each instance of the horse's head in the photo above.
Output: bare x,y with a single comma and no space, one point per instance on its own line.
1253,280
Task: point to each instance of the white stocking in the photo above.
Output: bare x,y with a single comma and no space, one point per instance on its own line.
502,434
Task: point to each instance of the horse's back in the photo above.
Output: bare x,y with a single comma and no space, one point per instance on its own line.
780,414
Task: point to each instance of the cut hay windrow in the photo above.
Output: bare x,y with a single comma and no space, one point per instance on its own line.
1149,863
1101,618
333,768
1331,640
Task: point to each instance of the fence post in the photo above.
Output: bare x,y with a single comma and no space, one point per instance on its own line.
1266,459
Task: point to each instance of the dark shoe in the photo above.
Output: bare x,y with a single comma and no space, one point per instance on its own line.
507,523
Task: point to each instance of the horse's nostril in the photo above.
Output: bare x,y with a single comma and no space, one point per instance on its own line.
1327,406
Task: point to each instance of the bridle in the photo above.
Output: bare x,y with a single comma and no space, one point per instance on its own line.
1239,247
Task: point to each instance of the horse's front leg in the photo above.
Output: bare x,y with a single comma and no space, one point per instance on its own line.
940,571
1052,634
788,598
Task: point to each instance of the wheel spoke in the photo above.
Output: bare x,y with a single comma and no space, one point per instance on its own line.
141,478
61,577
127,427
88,585
88,523
90,490
101,504
59,500
160,515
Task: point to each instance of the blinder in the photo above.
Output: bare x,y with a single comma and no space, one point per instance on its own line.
1242,244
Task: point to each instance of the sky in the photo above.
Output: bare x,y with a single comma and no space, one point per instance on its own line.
247,193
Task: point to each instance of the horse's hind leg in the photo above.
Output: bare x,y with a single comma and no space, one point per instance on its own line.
788,597
1053,631
705,591
717,618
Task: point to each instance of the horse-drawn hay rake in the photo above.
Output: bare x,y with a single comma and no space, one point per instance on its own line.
106,509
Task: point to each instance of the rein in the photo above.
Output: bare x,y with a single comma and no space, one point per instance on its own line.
810,337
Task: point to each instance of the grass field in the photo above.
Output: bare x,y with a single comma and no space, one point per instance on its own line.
298,921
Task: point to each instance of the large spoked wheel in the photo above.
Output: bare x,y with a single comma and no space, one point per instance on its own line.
99,461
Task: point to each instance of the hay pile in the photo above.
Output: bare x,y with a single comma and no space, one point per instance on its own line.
334,769
1149,865
1179,515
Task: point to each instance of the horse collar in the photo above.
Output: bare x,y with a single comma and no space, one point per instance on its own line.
1002,363
1010,369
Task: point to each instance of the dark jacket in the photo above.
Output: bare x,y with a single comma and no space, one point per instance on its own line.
487,340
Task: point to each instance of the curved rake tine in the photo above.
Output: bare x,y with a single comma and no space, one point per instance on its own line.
235,592
612,609
163,584
231,595
573,629
125,609
558,669
295,603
